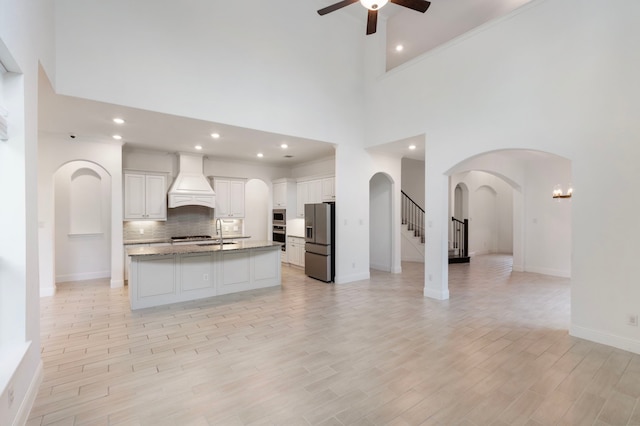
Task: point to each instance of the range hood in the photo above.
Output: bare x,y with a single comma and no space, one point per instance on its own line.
191,187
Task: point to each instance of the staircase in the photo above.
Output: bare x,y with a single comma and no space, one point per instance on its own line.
412,242
412,216
412,249
459,251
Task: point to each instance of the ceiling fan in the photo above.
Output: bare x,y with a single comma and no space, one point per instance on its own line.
374,5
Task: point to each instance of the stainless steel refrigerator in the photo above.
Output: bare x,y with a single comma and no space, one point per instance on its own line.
319,256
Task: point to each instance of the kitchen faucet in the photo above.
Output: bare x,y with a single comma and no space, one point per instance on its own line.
219,225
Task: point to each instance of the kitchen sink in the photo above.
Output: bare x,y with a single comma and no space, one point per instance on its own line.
217,244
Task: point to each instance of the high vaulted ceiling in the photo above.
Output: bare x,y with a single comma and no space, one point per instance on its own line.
418,33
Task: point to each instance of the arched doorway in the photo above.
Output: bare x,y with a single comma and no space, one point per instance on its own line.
511,210
381,247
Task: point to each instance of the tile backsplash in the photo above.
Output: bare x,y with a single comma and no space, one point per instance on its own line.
186,220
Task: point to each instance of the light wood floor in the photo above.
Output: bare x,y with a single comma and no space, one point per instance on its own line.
371,352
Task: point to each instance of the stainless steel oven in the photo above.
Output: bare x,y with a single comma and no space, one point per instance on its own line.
279,217
280,235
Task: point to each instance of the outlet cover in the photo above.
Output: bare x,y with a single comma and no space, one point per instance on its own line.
632,320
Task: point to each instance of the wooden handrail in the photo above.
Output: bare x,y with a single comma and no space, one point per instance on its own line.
410,199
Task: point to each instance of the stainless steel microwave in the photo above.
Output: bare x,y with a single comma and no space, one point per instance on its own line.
279,217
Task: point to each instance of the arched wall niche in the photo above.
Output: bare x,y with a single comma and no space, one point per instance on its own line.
85,202
82,221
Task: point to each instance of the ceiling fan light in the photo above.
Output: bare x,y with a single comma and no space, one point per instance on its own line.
373,4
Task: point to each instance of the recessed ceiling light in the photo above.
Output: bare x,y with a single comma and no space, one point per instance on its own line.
215,135
284,146
198,147
260,155
399,48
117,137
118,120
412,147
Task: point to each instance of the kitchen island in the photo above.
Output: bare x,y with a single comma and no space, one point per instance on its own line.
161,275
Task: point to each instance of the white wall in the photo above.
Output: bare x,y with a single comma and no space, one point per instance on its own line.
548,223
320,167
534,80
26,37
224,61
413,180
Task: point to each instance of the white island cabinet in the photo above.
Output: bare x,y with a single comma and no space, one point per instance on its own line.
164,275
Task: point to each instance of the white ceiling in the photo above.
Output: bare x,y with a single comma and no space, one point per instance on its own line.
443,21
93,121
419,33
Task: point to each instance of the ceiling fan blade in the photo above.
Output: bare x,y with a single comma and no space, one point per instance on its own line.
372,21
419,5
336,6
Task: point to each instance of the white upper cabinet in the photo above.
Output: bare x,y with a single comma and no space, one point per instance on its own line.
284,196
280,194
312,191
329,189
145,196
302,197
229,197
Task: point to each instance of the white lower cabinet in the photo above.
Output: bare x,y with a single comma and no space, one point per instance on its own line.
235,272
295,250
159,284
127,258
197,273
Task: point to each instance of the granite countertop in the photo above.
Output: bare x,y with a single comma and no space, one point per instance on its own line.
168,240
200,247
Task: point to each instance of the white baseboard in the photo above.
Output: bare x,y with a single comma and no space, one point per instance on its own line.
344,279
117,283
396,270
619,342
82,276
413,259
436,294
47,291
32,392
549,271
377,267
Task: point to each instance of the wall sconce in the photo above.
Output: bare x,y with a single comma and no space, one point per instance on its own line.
559,193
